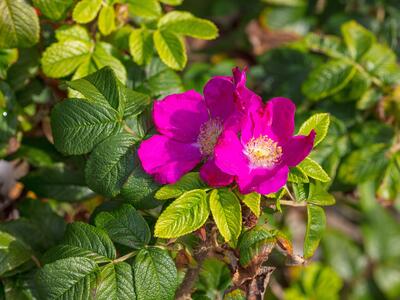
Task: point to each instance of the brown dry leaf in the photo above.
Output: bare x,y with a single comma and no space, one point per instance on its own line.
263,39
258,285
285,244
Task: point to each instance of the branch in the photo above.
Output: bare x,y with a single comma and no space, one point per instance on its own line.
125,257
185,290
292,203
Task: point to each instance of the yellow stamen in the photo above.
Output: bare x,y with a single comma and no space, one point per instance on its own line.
209,133
263,152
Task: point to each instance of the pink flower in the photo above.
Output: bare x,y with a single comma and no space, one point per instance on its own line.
261,158
189,127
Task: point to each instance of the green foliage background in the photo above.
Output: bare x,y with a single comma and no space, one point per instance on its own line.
86,220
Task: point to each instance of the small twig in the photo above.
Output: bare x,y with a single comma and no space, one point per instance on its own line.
277,289
185,290
36,261
292,203
126,127
289,193
125,257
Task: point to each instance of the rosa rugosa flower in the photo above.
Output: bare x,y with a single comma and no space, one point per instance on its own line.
261,157
189,127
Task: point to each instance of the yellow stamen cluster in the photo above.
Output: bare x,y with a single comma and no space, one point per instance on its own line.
263,152
209,133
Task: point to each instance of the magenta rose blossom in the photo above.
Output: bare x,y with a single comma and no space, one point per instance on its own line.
261,157
189,127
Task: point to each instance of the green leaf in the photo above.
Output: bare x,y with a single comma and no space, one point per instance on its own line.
13,252
319,196
140,188
161,81
358,166
189,181
86,68
387,277
327,79
7,58
141,45
171,49
101,87
74,32
314,282
53,9
58,182
186,214
61,59
320,123
19,24
107,20
358,39
253,201
389,189
135,103
115,281
185,23
125,226
146,9
300,191
312,169
214,277
50,225
343,254
255,243
20,287
89,238
381,62
67,278
235,295
155,275
316,222
171,2
297,175
369,99
62,251
86,10
37,151
227,214
329,45
103,56
110,164
78,125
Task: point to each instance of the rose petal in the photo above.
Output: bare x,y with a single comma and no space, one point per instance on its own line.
219,97
166,159
275,120
280,112
228,153
263,181
298,148
180,116
254,124
213,176
244,97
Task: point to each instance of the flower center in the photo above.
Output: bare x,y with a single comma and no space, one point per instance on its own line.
263,152
209,133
